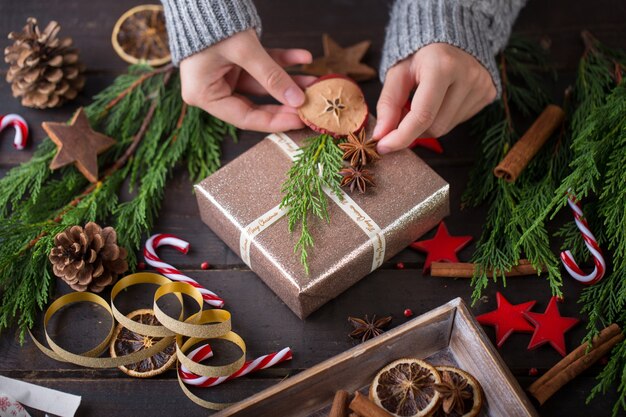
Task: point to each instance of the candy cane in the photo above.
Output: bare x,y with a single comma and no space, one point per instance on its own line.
592,244
201,353
21,129
169,271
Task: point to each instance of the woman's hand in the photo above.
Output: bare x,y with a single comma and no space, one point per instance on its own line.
452,86
212,80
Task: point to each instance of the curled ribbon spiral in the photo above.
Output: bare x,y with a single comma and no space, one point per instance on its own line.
199,327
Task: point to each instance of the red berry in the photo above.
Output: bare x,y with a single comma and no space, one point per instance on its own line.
604,360
533,372
141,266
560,299
205,265
400,265
408,312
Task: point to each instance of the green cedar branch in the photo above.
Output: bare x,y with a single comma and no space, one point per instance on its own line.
523,65
154,131
315,168
596,176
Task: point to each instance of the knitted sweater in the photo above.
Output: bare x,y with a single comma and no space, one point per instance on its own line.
479,27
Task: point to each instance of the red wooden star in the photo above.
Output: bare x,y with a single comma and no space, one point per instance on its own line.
507,318
442,247
550,327
428,143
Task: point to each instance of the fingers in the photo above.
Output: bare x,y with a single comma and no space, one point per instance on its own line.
270,75
244,114
396,90
285,58
425,105
248,85
289,57
453,108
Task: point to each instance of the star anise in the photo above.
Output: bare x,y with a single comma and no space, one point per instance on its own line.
454,392
366,328
359,150
357,178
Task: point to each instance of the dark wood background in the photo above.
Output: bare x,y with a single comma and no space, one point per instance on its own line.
259,316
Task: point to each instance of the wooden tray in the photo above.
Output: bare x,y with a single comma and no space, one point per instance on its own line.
448,334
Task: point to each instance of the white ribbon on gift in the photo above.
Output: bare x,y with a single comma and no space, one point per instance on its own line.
347,204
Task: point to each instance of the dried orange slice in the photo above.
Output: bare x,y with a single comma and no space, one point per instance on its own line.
406,388
139,35
335,105
461,394
125,342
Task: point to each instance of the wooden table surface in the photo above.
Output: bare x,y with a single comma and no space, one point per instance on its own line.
259,316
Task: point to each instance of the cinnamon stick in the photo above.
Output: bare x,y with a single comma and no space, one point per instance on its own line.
575,363
467,269
340,404
528,145
366,408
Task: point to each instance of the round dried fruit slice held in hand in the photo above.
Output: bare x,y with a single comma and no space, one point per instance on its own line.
139,35
335,105
125,342
460,392
406,388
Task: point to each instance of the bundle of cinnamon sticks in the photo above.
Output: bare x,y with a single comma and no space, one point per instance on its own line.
575,363
360,406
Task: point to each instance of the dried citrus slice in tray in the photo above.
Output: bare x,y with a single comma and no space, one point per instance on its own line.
125,342
461,394
139,35
406,388
335,105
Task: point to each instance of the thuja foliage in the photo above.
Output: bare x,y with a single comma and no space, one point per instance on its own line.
155,131
596,177
315,168
524,69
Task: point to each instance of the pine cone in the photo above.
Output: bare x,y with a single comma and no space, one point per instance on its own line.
88,258
44,70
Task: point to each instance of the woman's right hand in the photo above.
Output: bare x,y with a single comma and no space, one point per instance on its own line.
215,79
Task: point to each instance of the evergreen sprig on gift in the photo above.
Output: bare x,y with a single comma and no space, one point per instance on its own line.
315,168
512,207
155,131
598,146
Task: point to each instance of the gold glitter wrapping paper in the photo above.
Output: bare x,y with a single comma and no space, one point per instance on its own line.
409,199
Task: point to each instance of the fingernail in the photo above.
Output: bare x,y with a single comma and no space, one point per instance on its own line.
383,149
294,96
377,130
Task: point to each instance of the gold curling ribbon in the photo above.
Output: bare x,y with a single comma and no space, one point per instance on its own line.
206,324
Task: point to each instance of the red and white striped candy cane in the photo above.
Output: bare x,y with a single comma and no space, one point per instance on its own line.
201,353
172,273
21,129
592,244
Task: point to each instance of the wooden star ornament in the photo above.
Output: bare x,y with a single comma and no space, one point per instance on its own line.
77,143
442,247
507,318
550,327
338,60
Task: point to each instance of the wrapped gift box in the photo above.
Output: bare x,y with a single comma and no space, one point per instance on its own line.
240,203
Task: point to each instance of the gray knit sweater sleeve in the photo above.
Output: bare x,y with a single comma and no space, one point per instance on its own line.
479,27
193,25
